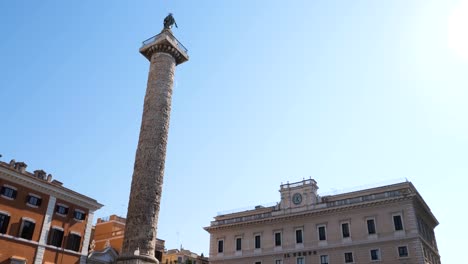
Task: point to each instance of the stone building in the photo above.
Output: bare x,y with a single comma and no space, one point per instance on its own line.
108,233
41,221
388,224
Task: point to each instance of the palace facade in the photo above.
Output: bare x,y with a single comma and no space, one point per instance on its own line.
388,224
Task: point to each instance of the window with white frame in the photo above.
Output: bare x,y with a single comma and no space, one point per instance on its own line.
56,236
403,251
238,244
300,260
398,222
79,215
8,192
74,242
33,200
277,239
220,246
299,238
345,230
279,261
324,259
371,226
348,256
258,242
27,228
61,209
4,221
375,254
322,232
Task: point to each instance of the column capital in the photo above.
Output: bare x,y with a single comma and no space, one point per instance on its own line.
167,43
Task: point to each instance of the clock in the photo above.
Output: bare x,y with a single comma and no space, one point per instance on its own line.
297,198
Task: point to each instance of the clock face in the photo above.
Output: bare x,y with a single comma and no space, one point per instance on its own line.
297,198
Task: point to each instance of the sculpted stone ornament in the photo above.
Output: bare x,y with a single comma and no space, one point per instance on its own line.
169,21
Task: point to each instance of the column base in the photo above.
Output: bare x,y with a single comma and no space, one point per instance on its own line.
137,260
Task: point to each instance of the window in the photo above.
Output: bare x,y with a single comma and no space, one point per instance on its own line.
33,200
238,244
220,246
74,242
345,230
397,222
278,261
371,226
324,259
61,209
403,251
79,215
375,254
322,233
300,260
4,220
56,237
258,262
27,229
348,257
278,239
257,241
8,192
299,236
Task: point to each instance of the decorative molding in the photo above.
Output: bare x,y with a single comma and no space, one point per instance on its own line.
48,188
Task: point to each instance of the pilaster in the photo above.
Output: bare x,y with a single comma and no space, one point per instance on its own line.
45,230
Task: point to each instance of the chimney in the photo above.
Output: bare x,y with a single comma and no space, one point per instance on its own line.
12,163
40,174
49,177
20,166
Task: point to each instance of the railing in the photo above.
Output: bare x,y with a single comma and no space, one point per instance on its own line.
156,37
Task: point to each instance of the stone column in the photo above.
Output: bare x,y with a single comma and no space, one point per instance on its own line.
164,52
45,230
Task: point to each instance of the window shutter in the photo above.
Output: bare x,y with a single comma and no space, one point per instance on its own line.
39,201
14,194
3,190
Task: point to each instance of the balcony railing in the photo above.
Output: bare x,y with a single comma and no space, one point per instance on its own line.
155,38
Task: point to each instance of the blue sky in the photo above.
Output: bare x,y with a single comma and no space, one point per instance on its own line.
349,93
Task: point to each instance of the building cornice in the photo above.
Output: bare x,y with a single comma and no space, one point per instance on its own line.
48,188
314,212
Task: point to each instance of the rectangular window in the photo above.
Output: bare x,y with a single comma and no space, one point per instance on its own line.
277,239
238,244
324,259
375,254
27,229
371,226
257,241
279,261
4,220
403,251
220,246
345,229
56,237
61,209
33,200
299,236
258,262
74,241
79,215
397,222
322,233
8,192
300,260
348,257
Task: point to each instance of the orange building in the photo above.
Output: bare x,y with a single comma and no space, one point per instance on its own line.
109,233
40,220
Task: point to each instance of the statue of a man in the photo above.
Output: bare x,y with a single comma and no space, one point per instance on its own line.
169,21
